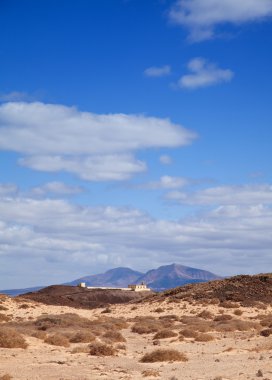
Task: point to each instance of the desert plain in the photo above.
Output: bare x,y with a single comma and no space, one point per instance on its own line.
175,336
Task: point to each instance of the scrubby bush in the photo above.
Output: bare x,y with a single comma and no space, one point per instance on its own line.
204,338
57,340
82,337
163,334
10,338
99,349
114,336
166,355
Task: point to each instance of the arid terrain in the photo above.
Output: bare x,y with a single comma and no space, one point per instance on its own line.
212,331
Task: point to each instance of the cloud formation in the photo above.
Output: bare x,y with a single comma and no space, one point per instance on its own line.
167,182
204,74
165,159
226,195
202,17
94,147
62,238
158,71
57,188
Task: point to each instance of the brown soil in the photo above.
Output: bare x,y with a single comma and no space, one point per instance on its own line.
61,295
247,290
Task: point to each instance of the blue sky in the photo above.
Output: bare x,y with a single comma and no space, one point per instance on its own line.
134,133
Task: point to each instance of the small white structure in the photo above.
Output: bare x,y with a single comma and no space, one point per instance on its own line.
133,287
139,287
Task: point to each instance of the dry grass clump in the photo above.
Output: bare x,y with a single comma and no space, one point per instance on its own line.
166,355
223,317
188,333
3,308
57,340
4,318
24,306
235,325
80,349
266,320
6,376
159,310
266,332
163,334
39,334
229,304
82,337
204,338
114,336
205,314
99,349
151,372
10,338
238,312
63,320
169,317
149,325
106,311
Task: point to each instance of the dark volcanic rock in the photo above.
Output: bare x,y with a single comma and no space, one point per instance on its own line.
245,289
73,296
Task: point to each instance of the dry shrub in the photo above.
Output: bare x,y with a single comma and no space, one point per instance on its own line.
148,325
24,306
80,349
151,372
229,305
3,308
235,325
134,308
63,320
169,317
163,334
223,317
159,310
10,338
166,355
114,336
205,314
266,320
120,346
204,338
266,332
39,334
4,318
57,340
238,312
82,337
99,349
188,333
5,377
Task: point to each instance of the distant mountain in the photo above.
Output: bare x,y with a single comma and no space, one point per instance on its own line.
171,276
16,292
119,277
162,278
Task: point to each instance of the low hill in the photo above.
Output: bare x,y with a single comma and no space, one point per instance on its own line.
74,296
245,289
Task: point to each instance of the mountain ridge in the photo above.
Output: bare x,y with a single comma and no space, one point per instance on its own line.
163,278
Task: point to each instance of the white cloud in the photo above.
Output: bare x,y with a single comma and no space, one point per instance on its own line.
167,182
64,239
226,195
201,17
165,159
95,147
7,189
55,187
158,71
204,74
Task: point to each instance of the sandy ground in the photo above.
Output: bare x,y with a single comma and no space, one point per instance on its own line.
232,355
